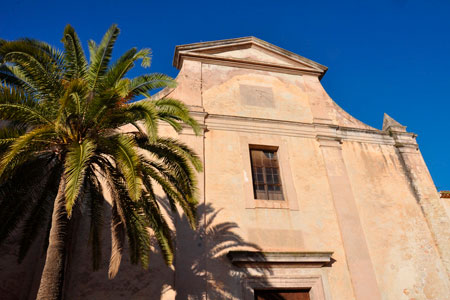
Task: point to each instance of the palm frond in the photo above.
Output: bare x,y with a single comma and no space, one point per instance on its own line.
131,215
25,144
73,101
48,56
175,161
117,242
23,113
92,46
143,113
10,94
53,58
12,76
17,105
165,181
137,233
157,223
100,107
36,62
173,194
123,150
144,84
8,134
77,160
146,113
101,55
75,60
174,111
124,64
183,150
118,70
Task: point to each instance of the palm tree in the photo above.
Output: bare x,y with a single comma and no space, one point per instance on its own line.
63,146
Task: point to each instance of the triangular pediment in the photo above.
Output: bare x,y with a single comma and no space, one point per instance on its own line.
248,52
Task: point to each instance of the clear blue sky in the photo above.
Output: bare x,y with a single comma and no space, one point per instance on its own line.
383,56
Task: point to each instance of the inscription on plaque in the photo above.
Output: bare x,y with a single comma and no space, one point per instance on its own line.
256,95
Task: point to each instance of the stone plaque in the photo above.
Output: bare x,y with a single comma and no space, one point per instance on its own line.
256,95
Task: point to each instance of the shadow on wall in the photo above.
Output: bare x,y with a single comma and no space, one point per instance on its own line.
201,261
200,266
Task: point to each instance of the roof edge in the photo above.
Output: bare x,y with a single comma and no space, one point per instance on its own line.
184,49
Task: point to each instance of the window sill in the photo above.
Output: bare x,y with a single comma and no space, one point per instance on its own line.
258,203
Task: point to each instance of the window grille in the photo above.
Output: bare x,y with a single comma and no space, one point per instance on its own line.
266,174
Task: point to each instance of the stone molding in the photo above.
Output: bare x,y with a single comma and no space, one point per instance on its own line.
405,141
293,270
248,64
313,283
329,141
300,129
307,259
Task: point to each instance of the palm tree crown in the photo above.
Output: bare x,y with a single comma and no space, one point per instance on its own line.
63,146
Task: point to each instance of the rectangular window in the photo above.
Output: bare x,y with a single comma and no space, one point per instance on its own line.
266,174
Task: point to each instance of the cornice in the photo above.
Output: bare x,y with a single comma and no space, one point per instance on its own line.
299,129
258,125
249,64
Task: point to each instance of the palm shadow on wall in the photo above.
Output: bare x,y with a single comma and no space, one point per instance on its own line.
201,262
200,265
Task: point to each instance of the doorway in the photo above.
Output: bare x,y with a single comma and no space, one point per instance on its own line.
285,294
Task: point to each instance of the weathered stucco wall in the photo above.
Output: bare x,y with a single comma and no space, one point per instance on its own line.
313,227
256,94
402,249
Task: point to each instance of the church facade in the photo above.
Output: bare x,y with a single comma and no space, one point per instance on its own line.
351,212
298,199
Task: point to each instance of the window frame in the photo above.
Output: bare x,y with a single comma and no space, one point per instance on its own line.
264,170
316,284
281,290
289,193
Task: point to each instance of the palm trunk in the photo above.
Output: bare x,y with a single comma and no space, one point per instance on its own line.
52,278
